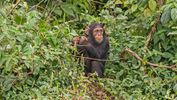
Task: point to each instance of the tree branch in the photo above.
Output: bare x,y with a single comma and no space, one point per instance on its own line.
95,59
148,63
14,7
153,28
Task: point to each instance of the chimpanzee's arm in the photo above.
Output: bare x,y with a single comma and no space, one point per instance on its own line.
92,51
84,47
105,49
89,49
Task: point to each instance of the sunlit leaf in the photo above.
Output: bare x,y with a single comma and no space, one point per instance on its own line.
152,5
147,12
175,88
173,33
26,5
134,8
67,8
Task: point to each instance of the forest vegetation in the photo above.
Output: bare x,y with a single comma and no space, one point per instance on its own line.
37,60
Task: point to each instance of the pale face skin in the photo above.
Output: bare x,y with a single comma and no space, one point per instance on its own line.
98,34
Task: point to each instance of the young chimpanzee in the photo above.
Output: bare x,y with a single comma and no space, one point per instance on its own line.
95,45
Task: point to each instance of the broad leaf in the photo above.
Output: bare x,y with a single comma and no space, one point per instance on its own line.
173,33
67,8
174,14
152,5
147,12
134,8
165,16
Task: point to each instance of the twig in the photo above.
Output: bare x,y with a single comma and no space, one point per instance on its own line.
98,2
95,59
36,5
149,63
50,12
14,7
153,29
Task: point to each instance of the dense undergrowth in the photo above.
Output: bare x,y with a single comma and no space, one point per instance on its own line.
36,61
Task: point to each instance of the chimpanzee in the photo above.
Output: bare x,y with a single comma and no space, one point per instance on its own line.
95,46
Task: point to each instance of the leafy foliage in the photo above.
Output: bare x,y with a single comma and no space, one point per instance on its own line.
36,59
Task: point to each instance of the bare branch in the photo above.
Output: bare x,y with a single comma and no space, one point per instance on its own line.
149,63
153,29
14,7
95,59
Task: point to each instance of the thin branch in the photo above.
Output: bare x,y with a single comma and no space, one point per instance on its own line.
14,7
149,63
50,12
153,29
98,2
36,5
95,59
70,21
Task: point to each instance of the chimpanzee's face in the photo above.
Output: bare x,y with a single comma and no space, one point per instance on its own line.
98,34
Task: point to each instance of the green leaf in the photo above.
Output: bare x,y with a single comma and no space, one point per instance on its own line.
20,19
167,55
36,70
26,5
58,11
172,33
28,49
2,59
67,8
142,3
166,16
134,8
156,39
9,64
152,5
147,12
8,84
174,14
175,88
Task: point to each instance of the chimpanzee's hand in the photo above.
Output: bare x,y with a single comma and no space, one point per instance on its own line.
83,40
76,40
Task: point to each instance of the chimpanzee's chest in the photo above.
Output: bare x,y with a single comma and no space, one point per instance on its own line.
100,49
